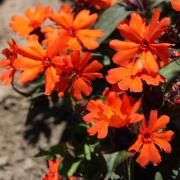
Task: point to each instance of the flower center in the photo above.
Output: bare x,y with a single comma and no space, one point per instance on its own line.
147,138
147,135
108,112
47,62
71,32
144,44
34,23
72,77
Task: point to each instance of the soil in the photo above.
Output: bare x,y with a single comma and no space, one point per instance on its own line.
20,141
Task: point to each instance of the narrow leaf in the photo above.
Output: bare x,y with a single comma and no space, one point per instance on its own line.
74,167
110,18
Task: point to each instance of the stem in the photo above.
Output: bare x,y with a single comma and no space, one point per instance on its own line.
129,169
18,91
127,165
74,167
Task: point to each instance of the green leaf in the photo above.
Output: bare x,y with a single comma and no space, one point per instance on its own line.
113,160
107,61
87,152
171,71
158,2
158,176
74,167
109,20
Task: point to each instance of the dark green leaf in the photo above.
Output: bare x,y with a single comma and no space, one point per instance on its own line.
109,20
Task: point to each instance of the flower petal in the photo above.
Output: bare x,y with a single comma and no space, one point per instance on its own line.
152,80
88,37
127,32
160,123
101,128
30,74
114,100
74,44
117,74
122,58
34,51
51,78
123,45
148,153
149,62
137,145
20,25
162,140
84,19
81,86
175,4
136,85
161,50
64,18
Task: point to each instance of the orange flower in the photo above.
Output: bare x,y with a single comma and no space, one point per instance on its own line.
140,42
11,54
73,178
32,20
54,170
175,4
100,4
77,27
77,73
131,77
150,136
114,112
35,60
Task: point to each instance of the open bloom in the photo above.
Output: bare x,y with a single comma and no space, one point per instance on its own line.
78,27
100,4
53,170
77,73
8,64
150,137
175,4
35,60
115,112
140,42
131,77
24,25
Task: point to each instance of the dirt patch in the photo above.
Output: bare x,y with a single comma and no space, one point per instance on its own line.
20,141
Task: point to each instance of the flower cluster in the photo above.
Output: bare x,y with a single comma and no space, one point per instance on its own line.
59,55
59,52
139,56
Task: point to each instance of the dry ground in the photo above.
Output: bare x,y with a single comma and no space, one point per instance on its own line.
17,148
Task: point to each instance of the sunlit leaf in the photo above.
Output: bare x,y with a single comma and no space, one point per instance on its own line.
87,151
171,71
74,167
110,18
113,160
158,2
158,176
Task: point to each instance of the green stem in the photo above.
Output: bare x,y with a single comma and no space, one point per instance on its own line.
74,167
